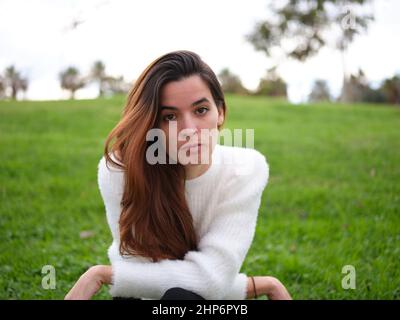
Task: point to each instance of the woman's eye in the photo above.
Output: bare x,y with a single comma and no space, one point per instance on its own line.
169,117
204,109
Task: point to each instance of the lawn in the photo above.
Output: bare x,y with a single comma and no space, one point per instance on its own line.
333,197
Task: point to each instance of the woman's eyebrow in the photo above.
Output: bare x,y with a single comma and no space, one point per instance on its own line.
202,100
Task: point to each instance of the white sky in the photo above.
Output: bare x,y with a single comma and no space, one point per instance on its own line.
127,35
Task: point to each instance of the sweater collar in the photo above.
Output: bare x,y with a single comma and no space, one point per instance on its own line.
210,171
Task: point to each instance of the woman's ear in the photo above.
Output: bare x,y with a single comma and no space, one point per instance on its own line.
221,116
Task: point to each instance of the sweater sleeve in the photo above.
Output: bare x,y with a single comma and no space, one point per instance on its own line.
210,271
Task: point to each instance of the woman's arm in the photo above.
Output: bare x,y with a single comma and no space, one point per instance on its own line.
267,285
209,271
90,283
92,280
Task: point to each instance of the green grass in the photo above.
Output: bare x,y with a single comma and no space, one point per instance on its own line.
333,197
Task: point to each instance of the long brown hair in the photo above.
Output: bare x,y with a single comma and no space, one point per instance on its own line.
155,220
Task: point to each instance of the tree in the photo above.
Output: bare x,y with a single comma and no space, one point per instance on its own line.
354,88
272,85
357,89
2,87
115,85
14,81
300,28
391,89
98,74
71,80
320,91
24,86
230,82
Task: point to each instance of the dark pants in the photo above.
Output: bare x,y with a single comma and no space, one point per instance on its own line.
172,294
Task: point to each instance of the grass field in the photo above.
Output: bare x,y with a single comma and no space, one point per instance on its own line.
333,197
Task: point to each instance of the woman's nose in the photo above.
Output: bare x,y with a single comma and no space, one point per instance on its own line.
189,126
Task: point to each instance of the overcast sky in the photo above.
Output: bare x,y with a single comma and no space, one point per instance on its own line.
36,36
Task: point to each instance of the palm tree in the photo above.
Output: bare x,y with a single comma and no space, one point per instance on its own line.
71,80
14,80
98,74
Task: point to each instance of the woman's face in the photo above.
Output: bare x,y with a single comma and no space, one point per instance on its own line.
188,106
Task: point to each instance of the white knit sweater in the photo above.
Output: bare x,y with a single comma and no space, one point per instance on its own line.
224,203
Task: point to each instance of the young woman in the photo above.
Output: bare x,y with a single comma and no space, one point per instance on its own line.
185,225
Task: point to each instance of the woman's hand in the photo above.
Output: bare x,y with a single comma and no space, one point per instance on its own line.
90,283
269,286
274,289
